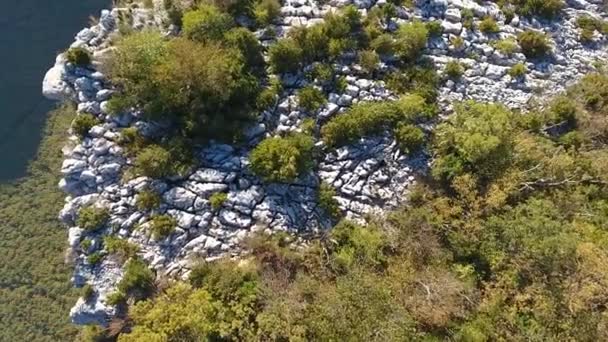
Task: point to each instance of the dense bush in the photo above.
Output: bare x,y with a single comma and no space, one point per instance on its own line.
148,200
327,202
285,56
311,98
153,161
246,42
369,60
203,87
489,25
454,69
417,79
544,8
121,248
78,56
533,44
434,27
266,11
369,118
206,23
589,25
280,159
411,40
477,139
506,46
92,217
518,70
161,226
138,280
87,292
83,123
409,137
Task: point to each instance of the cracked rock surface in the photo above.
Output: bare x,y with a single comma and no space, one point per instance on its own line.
369,176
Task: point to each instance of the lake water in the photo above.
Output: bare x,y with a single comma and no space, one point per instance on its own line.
32,32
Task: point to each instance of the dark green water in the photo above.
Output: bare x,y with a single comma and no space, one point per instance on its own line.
31,34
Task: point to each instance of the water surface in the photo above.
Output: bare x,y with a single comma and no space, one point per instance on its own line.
32,32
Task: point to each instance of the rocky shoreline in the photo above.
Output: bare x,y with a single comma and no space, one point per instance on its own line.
369,177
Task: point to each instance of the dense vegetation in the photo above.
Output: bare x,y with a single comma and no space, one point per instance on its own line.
35,291
504,240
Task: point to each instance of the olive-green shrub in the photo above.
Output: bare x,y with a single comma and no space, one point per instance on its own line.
279,159
92,218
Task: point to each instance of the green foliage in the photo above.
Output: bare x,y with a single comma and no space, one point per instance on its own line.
83,123
384,44
217,200
153,161
589,25
161,226
545,8
78,56
434,27
280,159
518,70
592,92
311,98
562,108
411,40
87,292
116,298
147,200
477,139
369,60
327,202
203,87
285,56
36,291
506,46
266,11
206,23
94,258
122,248
418,79
92,218
489,25
369,118
533,44
245,41
454,69
409,137
467,18
137,281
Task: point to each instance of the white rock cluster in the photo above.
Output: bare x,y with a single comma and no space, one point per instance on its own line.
369,176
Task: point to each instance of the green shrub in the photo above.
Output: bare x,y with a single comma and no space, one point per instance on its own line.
85,244
217,200
411,40
83,123
153,161
87,292
206,23
533,44
592,91
434,27
457,41
280,159
589,25
120,247
79,56
518,70
266,11
269,96
467,18
327,202
116,298
204,88
384,44
489,25
92,333
161,226
417,79
506,46
476,139
92,218
454,69
409,137
562,108
285,56
572,139
147,200
357,245
245,41
545,8
94,258
369,118
311,98
308,126
369,60
314,42
138,279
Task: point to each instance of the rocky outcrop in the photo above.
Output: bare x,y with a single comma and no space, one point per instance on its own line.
370,176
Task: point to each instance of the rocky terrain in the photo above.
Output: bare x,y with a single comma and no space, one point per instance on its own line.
369,177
